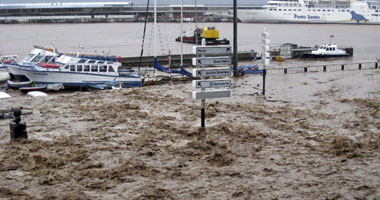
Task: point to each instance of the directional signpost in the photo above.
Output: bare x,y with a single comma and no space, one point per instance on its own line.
210,61
202,73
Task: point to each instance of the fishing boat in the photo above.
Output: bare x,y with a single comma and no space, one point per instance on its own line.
313,11
210,34
81,72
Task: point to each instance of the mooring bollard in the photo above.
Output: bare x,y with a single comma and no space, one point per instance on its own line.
17,128
305,69
342,67
324,68
360,66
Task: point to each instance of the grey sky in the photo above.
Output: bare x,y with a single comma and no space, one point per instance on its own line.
143,2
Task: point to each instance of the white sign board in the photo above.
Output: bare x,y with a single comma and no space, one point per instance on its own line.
210,61
206,72
215,83
212,50
211,94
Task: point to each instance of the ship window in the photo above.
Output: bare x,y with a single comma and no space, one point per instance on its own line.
66,67
279,9
100,62
347,10
110,69
72,68
103,68
328,10
299,9
82,61
285,9
324,10
275,9
86,68
79,68
271,9
296,10
91,61
94,68
319,10
314,10
333,48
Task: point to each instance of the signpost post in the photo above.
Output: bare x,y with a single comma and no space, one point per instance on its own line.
202,73
265,52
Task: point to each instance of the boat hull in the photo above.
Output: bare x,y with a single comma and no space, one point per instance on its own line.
14,71
193,40
309,55
76,79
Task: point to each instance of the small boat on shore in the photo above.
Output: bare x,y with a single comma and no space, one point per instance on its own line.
249,69
18,85
210,34
32,89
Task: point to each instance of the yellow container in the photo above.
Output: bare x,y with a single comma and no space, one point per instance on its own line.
210,33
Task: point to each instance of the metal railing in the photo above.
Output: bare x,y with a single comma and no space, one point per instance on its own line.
324,68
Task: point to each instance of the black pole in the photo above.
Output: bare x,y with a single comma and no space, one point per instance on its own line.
203,116
235,40
264,74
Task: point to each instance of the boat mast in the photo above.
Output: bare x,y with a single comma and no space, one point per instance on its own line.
196,23
181,32
155,29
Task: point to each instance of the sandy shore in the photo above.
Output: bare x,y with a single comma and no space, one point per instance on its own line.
313,136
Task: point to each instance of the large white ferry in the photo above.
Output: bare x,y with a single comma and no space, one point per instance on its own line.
313,11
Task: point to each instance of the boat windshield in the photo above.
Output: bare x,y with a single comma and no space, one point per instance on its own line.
38,58
29,57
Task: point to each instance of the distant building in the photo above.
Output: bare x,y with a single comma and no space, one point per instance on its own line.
106,12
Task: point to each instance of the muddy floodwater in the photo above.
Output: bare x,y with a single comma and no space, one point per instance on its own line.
313,136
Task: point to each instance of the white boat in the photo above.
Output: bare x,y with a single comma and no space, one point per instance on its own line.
313,11
81,72
328,50
36,55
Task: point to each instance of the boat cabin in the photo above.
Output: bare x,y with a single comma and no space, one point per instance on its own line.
328,47
85,65
38,55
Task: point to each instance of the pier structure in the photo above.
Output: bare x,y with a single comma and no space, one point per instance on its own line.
107,12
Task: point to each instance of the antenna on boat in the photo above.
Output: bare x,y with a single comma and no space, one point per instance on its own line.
331,37
79,50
